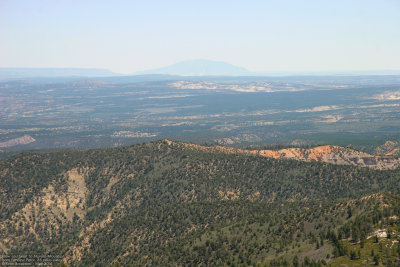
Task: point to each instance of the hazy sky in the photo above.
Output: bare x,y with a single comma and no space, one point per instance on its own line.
128,36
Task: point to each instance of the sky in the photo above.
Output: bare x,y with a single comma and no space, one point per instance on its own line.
128,36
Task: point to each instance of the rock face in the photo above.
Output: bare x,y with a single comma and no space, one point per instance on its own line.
334,155
24,140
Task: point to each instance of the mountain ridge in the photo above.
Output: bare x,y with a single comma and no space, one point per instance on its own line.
200,67
327,153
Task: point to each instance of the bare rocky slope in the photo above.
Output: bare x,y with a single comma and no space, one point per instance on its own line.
389,148
334,155
24,140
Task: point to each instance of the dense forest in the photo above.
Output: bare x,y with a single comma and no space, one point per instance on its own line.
174,204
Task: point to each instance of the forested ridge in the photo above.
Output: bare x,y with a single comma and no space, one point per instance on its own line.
174,204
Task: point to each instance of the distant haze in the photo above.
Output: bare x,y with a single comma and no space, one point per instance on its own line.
199,68
17,73
260,36
202,67
195,67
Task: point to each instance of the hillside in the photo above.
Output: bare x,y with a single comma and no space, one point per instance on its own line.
178,204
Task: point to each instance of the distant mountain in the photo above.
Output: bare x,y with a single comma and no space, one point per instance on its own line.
21,73
200,67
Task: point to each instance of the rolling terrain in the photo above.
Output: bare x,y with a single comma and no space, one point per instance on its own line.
361,112
180,204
